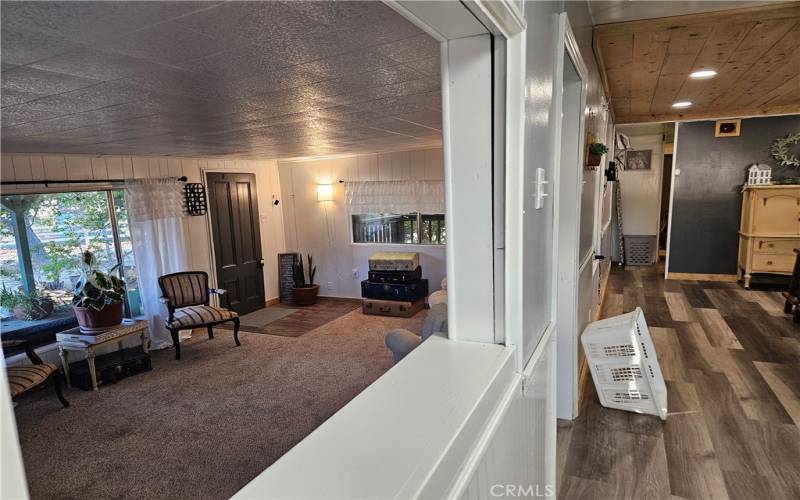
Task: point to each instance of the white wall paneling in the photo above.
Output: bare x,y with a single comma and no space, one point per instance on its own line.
515,457
530,230
323,228
641,189
101,168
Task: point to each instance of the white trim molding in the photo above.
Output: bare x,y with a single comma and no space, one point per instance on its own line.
566,232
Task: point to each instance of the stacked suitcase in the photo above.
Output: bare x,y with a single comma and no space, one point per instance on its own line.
395,286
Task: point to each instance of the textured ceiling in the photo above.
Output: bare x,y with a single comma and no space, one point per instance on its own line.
255,79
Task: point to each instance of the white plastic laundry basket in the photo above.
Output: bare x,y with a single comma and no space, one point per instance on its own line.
622,358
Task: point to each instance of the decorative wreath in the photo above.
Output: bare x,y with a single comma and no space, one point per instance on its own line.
780,150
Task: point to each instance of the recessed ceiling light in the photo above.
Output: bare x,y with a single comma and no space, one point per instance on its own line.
705,73
681,104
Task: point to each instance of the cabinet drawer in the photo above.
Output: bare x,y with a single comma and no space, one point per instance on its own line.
768,245
766,263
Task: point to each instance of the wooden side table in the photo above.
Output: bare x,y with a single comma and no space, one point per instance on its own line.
73,340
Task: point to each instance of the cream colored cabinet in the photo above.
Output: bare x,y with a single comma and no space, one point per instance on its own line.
769,231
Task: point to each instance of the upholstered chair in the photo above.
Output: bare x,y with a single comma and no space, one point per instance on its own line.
186,295
401,341
24,378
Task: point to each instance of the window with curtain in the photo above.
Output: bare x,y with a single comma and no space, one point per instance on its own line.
397,212
42,237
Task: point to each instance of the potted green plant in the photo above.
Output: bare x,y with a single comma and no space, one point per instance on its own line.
305,294
26,306
596,152
98,298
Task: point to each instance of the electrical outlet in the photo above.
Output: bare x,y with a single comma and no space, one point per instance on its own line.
330,285
355,274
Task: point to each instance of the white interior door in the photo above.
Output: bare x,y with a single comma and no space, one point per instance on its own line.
574,240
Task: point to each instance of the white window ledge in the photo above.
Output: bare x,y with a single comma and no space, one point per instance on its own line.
407,435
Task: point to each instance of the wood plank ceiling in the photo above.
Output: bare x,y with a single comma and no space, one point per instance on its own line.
756,52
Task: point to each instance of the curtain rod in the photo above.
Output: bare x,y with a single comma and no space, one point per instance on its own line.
340,181
77,181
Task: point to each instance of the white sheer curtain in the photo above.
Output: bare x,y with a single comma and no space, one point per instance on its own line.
155,212
426,197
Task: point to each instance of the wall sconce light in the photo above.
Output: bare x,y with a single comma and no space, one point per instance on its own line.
324,192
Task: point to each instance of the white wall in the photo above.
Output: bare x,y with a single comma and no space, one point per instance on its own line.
322,228
641,189
32,167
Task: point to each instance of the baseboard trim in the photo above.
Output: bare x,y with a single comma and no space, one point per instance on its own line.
273,301
702,277
583,370
583,379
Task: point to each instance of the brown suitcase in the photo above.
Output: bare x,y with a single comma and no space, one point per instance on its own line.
397,308
394,261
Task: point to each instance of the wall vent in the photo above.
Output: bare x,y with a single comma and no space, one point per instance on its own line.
640,250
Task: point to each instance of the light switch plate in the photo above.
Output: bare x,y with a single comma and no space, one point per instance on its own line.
539,186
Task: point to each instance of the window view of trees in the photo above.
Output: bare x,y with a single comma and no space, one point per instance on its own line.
58,227
399,228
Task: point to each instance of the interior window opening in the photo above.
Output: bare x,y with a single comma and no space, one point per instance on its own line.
409,228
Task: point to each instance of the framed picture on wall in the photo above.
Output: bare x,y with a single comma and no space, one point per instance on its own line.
638,159
728,128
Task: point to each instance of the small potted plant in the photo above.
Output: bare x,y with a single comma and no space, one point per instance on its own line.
97,299
26,306
596,152
305,294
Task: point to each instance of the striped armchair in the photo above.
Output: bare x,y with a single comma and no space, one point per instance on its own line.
24,378
186,296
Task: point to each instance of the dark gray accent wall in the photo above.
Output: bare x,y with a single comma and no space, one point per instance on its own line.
707,198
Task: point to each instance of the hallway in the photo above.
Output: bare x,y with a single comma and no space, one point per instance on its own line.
731,360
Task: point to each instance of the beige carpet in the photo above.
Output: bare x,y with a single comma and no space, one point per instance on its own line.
204,426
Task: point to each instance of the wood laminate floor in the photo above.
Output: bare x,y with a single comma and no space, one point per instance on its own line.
731,359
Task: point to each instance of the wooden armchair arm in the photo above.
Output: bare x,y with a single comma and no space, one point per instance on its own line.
35,359
220,292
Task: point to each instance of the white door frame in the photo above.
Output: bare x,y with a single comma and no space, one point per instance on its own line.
468,162
675,172
566,228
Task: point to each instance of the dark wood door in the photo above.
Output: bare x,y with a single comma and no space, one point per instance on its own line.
237,239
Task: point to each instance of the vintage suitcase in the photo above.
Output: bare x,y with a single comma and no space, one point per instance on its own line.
394,261
394,291
110,367
396,276
397,308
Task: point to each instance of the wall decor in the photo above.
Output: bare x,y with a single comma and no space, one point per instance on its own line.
195,194
595,154
728,128
780,151
286,263
759,175
638,159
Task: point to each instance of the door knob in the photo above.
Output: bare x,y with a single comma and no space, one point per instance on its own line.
261,262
